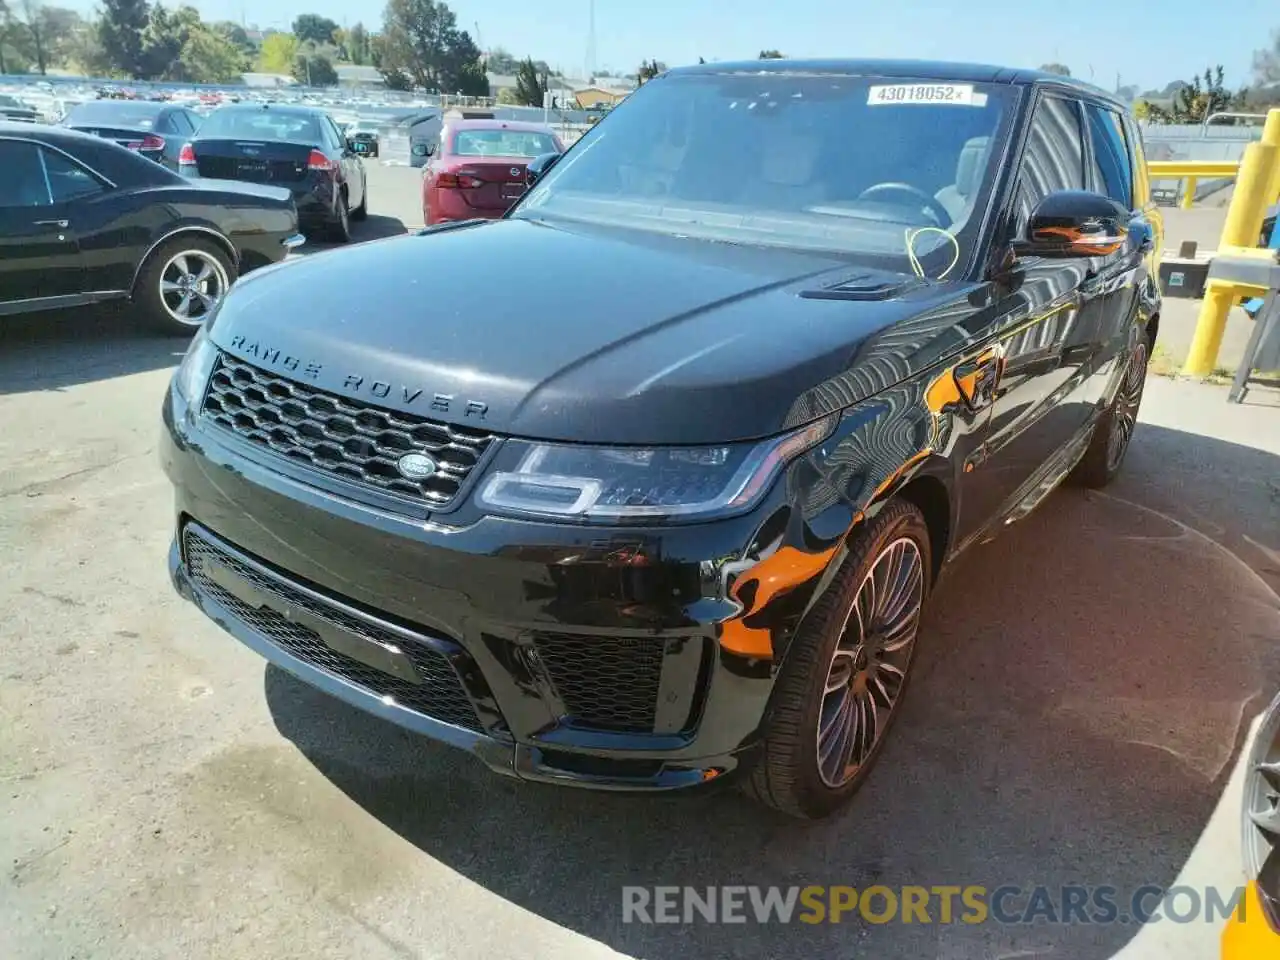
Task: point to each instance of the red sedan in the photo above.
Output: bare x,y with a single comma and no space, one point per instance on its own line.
478,169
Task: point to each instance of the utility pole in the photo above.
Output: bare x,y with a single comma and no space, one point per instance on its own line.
591,41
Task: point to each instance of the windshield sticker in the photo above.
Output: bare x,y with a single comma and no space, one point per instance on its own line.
955,94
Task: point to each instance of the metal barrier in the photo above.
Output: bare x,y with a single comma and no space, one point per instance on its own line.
1192,171
1257,188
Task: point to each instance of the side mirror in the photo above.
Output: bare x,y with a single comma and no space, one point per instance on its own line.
538,167
1074,223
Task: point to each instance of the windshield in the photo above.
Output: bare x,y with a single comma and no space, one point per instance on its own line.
502,143
261,125
887,171
133,116
8,101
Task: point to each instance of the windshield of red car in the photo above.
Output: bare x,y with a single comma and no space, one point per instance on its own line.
867,166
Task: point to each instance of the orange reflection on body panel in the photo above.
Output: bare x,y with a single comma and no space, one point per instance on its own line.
776,574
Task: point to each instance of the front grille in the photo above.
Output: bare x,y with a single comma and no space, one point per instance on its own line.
440,695
338,436
607,683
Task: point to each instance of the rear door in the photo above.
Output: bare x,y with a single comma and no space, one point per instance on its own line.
39,261
1041,400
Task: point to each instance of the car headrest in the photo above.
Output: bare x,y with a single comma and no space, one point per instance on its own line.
969,167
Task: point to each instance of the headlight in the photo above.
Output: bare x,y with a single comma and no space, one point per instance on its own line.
197,364
634,484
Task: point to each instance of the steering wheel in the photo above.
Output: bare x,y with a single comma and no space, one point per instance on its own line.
928,204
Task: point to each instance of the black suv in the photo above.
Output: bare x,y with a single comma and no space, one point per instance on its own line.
676,518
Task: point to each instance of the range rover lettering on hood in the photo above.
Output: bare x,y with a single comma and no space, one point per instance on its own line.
358,384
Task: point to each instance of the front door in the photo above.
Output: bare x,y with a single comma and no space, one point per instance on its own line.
1043,331
39,262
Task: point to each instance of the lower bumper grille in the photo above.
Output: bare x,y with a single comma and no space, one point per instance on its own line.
607,683
436,690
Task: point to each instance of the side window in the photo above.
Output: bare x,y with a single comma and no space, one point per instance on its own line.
25,184
336,139
1053,159
179,123
1112,170
1142,182
68,180
193,120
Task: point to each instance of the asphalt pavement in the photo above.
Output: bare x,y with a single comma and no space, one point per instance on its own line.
1086,684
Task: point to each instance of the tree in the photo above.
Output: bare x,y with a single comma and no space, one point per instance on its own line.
1266,62
771,55
120,33
531,86
1061,69
33,20
313,27
314,69
279,51
421,39
358,45
648,70
700,60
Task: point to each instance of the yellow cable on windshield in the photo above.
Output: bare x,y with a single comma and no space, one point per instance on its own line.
911,235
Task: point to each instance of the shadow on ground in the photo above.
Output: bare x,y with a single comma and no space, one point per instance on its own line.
1084,684
55,350
374,227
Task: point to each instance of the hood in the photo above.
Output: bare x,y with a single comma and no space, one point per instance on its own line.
579,334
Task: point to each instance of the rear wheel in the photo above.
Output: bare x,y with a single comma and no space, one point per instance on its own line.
361,212
181,283
847,670
1111,435
340,229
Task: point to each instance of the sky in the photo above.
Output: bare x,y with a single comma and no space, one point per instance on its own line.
1148,43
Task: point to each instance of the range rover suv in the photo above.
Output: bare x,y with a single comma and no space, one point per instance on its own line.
675,521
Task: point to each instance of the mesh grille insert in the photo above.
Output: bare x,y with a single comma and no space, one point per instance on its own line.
440,695
341,437
608,683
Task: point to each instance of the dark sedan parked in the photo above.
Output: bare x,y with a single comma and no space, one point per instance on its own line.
11,108
83,220
299,148
158,131
680,518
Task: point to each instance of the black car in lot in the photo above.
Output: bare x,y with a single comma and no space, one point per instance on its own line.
677,521
83,220
157,131
11,108
363,138
298,148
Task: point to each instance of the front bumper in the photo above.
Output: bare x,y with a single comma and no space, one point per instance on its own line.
601,657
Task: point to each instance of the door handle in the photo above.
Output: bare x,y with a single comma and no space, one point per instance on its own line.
978,378
60,224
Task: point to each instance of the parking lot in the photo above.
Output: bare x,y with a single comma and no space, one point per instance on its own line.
1075,720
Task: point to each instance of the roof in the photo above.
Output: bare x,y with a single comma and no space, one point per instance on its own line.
904,69
44,132
296,109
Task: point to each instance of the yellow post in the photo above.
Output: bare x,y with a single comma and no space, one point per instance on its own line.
1271,135
1189,192
1243,225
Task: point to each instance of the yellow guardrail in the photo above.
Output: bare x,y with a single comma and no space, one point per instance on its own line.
1192,171
1257,187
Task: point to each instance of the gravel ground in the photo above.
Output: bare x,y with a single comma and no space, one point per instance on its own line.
1085,687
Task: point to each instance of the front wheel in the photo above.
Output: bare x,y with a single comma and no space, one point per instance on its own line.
182,282
846,672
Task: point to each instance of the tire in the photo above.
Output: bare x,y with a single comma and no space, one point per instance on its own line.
340,228
1112,433
181,282
790,774
362,212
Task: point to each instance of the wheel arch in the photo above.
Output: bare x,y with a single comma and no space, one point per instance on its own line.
190,228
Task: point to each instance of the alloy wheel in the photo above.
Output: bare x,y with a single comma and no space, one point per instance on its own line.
1125,411
869,665
191,284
